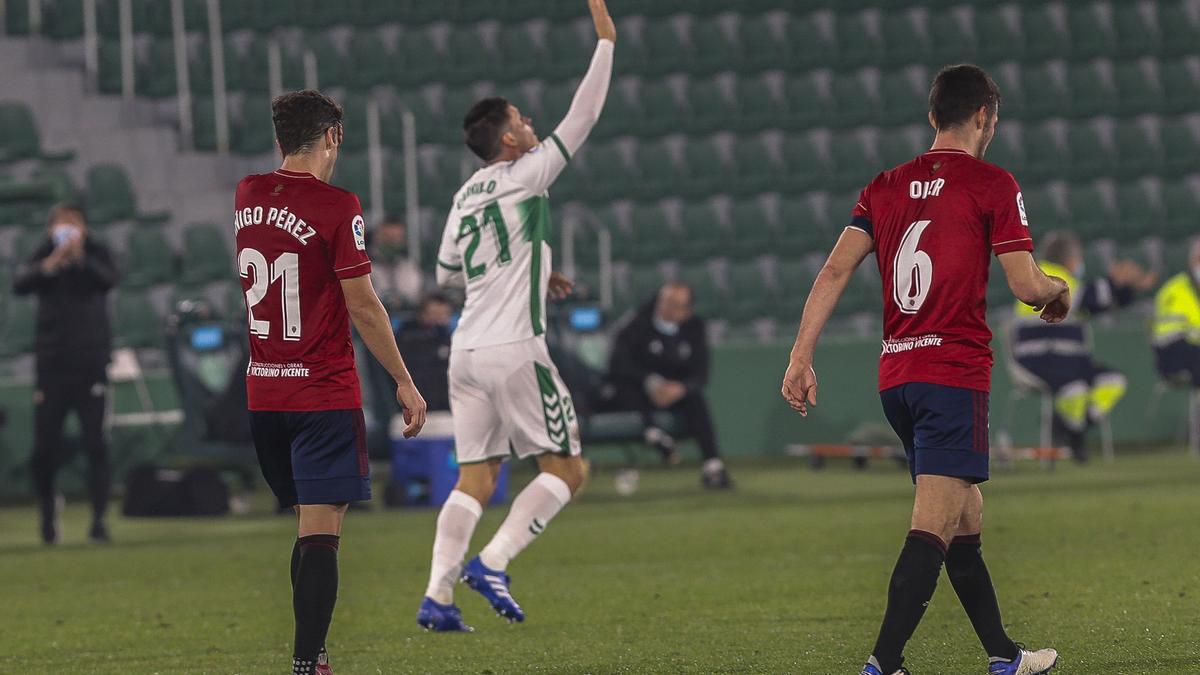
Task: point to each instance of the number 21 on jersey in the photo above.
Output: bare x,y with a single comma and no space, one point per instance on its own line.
286,268
912,270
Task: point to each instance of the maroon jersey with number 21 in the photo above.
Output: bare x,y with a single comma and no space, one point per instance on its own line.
935,222
297,238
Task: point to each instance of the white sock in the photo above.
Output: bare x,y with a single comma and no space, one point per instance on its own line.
714,465
455,525
531,512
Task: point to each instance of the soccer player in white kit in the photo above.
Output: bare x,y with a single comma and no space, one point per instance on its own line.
506,396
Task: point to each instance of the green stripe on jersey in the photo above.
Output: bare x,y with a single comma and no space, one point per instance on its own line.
452,268
535,223
561,148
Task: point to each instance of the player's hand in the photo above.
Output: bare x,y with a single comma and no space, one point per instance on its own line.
605,28
668,393
559,287
414,408
1128,274
800,387
1057,309
58,258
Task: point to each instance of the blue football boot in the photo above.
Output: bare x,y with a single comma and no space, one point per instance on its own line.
441,618
493,586
872,668
1026,663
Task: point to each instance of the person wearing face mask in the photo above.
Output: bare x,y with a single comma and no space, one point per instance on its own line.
395,277
1059,356
660,361
1177,324
71,273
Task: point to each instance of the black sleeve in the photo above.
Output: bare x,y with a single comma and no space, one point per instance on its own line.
29,277
98,264
623,367
698,378
1101,295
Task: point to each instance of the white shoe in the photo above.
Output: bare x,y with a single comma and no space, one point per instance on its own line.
1026,663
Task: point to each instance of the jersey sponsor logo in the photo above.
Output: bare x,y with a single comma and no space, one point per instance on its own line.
1021,210
891,346
360,233
924,189
256,369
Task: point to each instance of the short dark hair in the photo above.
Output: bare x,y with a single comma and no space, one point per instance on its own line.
483,126
1059,245
433,299
72,207
958,92
302,117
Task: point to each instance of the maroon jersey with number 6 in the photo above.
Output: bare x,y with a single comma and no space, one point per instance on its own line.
297,238
935,222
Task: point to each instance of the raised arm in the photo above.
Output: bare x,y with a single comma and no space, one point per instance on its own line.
371,320
593,89
800,381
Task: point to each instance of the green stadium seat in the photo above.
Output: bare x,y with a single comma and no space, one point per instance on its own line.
808,47
658,172
622,113
854,103
752,295
252,133
1090,155
662,109
1138,212
1091,93
609,175
760,49
663,50
702,232
1045,93
1044,154
998,39
803,230
110,195
204,124
18,328
711,48
353,173
897,146
1043,209
641,287
1137,153
19,136
757,169
469,57
855,161
1090,36
855,46
806,104
953,39
1092,217
752,231
903,102
1138,91
1006,153
147,259
136,324
369,59
570,53
1181,206
419,61
708,108
354,117
905,39
456,101
519,54
709,300
651,239
27,242
1181,86
1044,39
1180,31
1136,36
155,74
795,280
757,106
1182,149
208,257
807,167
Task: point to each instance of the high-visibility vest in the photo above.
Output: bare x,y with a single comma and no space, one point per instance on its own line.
1177,310
1024,312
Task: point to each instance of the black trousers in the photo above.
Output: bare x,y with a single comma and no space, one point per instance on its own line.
1179,361
58,393
691,410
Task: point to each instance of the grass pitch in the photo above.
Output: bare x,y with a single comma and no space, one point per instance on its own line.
784,575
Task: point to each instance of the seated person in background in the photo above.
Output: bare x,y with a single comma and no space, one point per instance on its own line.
395,277
659,361
1177,325
1059,356
425,340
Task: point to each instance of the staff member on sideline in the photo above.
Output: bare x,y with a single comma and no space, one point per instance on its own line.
71,273
1177,324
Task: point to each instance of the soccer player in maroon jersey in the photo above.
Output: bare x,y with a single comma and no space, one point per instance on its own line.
303,263
933,224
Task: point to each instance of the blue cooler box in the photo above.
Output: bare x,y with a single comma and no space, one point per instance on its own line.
424,470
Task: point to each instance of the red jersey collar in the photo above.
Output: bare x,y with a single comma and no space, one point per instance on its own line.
957,150
294,174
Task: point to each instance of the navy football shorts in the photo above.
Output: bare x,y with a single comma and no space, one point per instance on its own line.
944,429
317,457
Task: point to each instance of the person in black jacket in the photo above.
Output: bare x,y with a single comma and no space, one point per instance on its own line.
660,361
425,343
71,274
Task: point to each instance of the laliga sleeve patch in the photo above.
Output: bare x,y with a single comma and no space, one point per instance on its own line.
360,233
1021,210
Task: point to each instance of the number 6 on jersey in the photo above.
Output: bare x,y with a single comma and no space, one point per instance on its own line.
912,270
